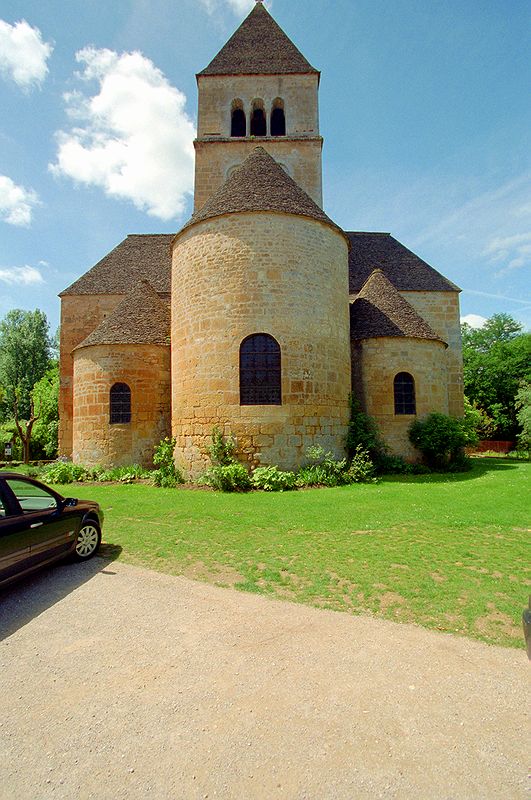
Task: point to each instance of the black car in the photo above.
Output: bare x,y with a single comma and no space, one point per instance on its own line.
38,526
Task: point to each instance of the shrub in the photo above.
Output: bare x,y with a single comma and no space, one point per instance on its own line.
64,472
167,475
127,474
222,449
272,479
226,477
324,470
361,468
439,438
363,431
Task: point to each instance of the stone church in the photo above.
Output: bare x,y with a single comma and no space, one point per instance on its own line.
261,315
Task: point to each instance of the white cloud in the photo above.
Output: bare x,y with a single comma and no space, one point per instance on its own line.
513,251
16,203
23,54
21,276
239,7
474,320
134,138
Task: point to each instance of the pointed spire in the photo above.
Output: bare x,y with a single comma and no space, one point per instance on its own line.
260,184
380,310
259,47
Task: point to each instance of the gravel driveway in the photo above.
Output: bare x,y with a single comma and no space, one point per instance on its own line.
119,682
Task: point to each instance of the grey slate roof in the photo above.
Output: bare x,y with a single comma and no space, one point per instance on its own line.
260,184
140,256
259,47
379,310
405,270
140,318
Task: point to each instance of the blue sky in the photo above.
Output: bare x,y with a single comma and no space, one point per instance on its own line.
425,109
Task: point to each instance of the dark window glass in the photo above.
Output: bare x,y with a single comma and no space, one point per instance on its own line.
404,394
2,508
238,124
31,497
120,403
278,122
260,383
258,122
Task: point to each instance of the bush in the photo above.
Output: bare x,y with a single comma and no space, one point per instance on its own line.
363,432
64,472
128,474
222,449
440,439
361,468
226,477
324,470
272,479
167,475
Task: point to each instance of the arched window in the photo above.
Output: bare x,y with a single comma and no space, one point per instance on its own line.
404,386
260,377
238,126
278,118
258,119
120,404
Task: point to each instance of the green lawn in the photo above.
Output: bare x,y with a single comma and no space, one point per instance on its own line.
447,552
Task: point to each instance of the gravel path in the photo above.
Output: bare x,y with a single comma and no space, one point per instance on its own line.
119,682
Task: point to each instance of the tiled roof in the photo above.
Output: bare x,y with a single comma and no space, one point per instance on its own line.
260,184
141,318
259,47
140,256
405,270
379,310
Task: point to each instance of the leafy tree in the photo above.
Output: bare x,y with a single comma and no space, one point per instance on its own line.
439,438
497,357
523,409
24,358
46,402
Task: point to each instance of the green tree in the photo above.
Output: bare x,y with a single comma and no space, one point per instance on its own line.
46,403
523,413
24,358
497,357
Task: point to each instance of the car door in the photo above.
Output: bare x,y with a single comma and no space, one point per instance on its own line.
14,537
40,521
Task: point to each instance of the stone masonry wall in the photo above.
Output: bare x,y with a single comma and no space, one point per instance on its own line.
299,151
80,315
441,311
375,364
260,273
214,160
146,370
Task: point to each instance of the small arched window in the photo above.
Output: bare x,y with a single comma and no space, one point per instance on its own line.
238,125
120,404
260,374
278,118
404,386
258,119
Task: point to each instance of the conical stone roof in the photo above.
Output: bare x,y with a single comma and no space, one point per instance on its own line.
140,318
260,184
380,310
259,47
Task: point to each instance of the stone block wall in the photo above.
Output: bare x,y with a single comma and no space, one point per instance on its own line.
146,370
80,315
260,273
299,151
441,311
214,160
376,362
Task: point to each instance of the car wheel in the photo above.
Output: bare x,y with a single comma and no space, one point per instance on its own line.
88,540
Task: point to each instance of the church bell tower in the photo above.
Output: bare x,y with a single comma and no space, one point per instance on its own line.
258,90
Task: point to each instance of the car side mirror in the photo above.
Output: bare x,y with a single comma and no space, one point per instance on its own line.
70,501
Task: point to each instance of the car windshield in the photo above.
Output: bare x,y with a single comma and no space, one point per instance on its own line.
31,497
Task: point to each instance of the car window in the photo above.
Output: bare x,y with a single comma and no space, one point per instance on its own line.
31,497
2,508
